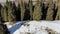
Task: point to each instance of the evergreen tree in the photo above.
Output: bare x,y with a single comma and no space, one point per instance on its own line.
31,11
0,12
37,12
50,13
5,14
50,10
18,13
10,14
11,17
58,13
22,9
42,8
14,10
55,9
27,12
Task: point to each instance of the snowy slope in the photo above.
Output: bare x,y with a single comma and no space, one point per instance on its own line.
38,27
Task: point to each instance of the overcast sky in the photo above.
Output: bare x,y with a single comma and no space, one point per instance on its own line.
2,0
5,0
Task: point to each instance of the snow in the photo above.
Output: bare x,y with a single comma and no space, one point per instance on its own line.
8,25
37,27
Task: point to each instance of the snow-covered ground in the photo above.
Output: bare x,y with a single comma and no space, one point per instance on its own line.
37,27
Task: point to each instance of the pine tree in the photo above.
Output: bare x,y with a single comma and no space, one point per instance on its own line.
31,11
37,12
2,13
11,17
58,13
27,12
55,10
50,10
10,14
5,14
18,13
22,9
0,20
49,13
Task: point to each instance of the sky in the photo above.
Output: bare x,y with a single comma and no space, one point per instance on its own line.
4,0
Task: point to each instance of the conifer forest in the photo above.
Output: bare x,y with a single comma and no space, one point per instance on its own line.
28,11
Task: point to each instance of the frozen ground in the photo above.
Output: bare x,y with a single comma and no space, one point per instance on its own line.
37,27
